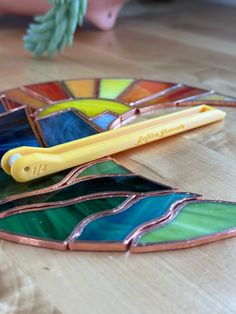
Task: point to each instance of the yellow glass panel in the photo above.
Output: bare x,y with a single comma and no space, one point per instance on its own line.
112,88
82,88
90,107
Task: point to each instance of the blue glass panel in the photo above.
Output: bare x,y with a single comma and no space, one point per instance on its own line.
104,120
2,109
116,227
15,131
64,127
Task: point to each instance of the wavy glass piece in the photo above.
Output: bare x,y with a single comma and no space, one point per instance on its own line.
67,126
196,223
116,227
112,88
142,89
14,190
105,167
82,88
90,107
16,131
19,98
107,185
10,188
52,91
104,121
56,223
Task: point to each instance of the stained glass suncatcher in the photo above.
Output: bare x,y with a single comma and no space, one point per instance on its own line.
101,205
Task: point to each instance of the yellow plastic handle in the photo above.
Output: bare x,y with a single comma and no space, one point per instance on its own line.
38,162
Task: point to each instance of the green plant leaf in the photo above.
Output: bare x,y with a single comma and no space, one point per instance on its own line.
54,30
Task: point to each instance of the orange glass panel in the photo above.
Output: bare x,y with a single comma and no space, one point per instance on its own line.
180,93
82,88
20,98
143,89
173,96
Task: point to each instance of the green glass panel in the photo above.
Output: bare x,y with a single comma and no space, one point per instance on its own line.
119,183
193,221
106,167
56,223
90,107
10,187
117,226
113,88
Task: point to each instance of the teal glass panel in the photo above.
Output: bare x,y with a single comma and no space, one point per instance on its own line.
104,121
105,167
57,223
194,220
99,185
116,227
10,187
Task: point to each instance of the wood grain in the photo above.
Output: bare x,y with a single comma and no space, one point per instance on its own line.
19,293
189,42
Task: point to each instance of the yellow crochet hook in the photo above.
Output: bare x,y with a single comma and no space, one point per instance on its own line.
28,163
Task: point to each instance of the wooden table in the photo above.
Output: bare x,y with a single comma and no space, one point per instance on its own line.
188,43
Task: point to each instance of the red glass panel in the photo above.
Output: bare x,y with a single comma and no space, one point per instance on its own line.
53,91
